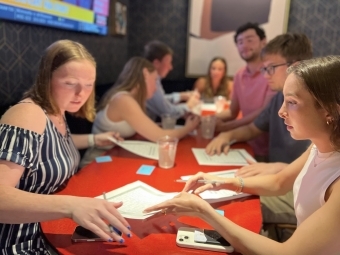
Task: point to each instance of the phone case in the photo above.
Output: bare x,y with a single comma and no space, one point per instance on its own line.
81,235
186,238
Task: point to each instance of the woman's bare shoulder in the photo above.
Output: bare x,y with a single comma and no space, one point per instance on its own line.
26,115
200,83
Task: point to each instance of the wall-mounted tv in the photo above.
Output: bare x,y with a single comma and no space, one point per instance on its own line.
78,15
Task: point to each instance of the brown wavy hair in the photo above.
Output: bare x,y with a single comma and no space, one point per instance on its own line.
56,55
321,77
223,86
131,77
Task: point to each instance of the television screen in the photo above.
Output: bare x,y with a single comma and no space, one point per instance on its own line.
79,15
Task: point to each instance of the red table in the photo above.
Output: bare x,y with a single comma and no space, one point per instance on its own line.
156,236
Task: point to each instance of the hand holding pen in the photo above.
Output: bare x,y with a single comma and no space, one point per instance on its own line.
114,230
202,181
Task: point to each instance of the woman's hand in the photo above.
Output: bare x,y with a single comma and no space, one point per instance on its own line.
193,184
96,215
182,204
103,139
254,169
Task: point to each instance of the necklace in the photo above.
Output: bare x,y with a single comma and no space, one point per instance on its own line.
318,160
61,120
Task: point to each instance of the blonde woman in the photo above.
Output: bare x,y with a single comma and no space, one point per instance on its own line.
38,154
122,108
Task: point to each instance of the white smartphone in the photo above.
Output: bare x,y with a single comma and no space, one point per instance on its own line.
203,239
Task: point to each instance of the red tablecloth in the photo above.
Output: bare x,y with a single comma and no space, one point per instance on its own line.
157,236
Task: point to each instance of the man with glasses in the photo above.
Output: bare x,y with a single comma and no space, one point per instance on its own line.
281,52
251,92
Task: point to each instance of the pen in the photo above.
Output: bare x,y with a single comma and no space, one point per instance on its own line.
204,181
110,226
231,142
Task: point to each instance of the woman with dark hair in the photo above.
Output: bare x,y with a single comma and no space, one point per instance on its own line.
216,82
311,110
38,154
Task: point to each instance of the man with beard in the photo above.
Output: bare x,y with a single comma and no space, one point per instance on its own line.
251,92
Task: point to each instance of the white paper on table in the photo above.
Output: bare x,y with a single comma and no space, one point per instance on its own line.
223,174
235,157
213,196
141,148
208,107
136,197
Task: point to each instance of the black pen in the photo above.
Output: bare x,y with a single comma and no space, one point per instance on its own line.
110,226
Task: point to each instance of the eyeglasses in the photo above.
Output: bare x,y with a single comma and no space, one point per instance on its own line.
270,70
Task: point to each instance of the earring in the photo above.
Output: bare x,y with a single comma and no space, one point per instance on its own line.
330,121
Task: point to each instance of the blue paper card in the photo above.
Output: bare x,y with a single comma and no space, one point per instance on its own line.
145,170
103,159
220,212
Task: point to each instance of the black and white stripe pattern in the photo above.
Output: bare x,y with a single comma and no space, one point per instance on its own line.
49,160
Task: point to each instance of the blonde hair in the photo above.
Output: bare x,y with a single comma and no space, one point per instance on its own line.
56,55
131,77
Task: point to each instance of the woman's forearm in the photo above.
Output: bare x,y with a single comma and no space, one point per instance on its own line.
83,141
17,206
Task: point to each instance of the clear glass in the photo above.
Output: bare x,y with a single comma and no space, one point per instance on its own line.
168,121
167,147
208,124
220,103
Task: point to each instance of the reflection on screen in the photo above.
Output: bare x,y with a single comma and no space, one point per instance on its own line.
79,15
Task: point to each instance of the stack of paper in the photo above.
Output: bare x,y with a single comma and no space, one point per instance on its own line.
235,157
136,197
140,148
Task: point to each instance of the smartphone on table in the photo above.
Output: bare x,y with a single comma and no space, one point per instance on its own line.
81,235
203,239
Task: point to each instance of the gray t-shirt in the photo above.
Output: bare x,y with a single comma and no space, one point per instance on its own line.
282,147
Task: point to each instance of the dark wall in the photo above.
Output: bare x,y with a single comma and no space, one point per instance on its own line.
168,21
165,20
21,46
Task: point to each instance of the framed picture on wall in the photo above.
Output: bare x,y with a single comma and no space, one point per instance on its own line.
118,18
212,25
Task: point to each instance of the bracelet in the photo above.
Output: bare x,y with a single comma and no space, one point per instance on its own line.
91,141
240,188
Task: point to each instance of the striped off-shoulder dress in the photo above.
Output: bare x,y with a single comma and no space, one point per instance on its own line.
49,160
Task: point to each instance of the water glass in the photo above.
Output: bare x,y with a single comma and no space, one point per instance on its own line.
167,147
168,121
208,124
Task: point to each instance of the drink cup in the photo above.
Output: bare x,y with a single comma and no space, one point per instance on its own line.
168,121
208,124
167,147
220,103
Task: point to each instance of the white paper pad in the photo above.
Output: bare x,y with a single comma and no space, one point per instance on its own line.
213,196
136,197
235,157
140,148
223,174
